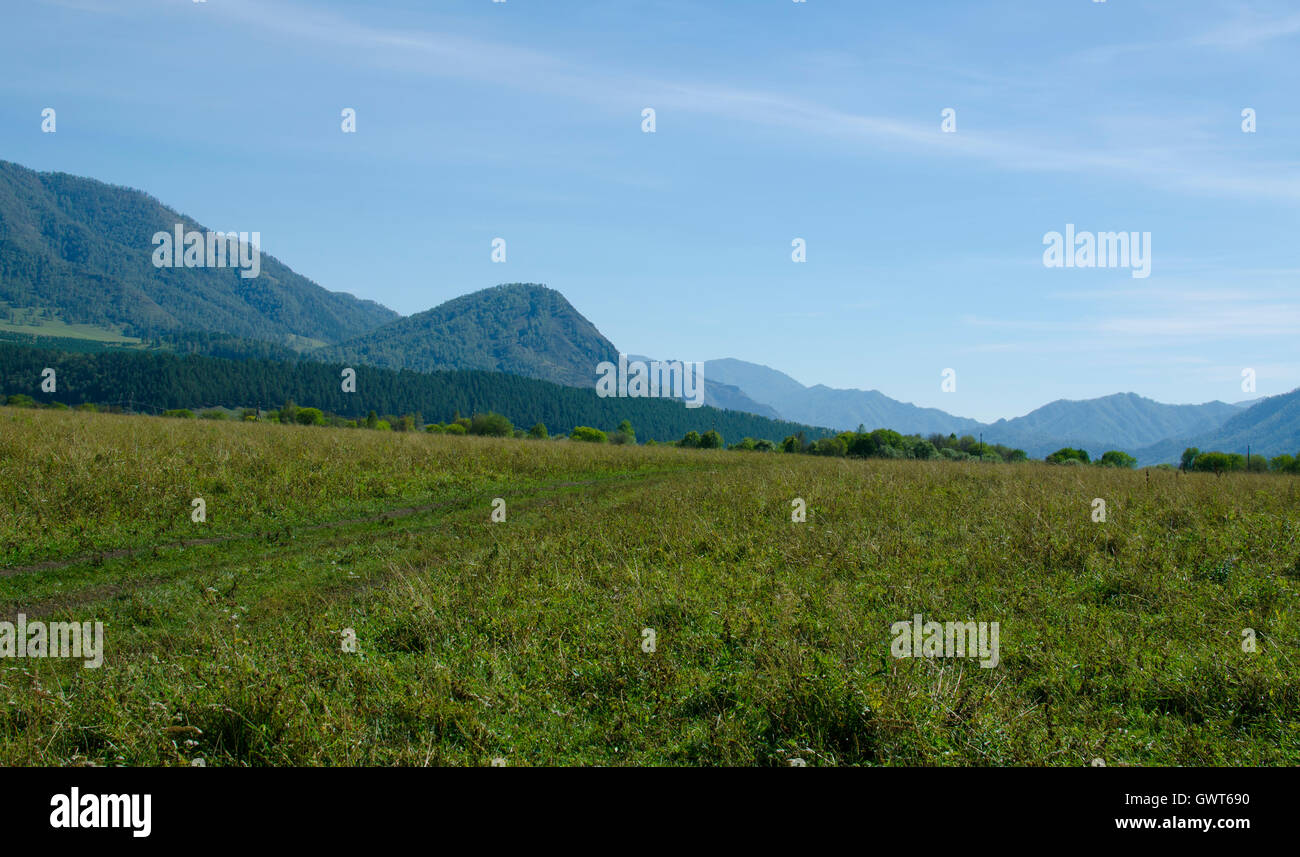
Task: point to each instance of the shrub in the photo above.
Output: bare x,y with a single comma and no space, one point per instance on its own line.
180,413
1066,454
588,435
310,417
455,428
924,450
538,432
1219,462
624,433
711,440
1116,458
833,446
213,415
491,424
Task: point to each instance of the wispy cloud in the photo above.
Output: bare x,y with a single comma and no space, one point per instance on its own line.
441,54
1249,29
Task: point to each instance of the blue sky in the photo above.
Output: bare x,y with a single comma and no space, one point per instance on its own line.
775,120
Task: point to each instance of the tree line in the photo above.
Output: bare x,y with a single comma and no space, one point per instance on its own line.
156,381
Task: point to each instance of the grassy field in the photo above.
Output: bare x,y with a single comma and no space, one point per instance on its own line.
522,641
42,323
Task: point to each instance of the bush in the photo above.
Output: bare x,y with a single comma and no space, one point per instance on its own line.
18,400
309,417
833,446
1115,458
624,433
180,413
588,435
87,407
690,440
924,450
1219,462
213,415
1066,454
491,424
455,428
538,432
711,440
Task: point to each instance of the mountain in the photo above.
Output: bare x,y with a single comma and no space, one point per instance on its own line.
827,406
521,328
80,252
725,396
1269,427
760,383
1124,421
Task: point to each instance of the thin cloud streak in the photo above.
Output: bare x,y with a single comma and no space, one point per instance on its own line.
510,66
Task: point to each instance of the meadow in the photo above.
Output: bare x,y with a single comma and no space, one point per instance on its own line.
522,642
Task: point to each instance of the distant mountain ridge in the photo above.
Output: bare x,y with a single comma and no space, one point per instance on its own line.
82,251
839,409
1270,427
1124,421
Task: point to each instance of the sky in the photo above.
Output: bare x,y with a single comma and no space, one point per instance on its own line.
774,121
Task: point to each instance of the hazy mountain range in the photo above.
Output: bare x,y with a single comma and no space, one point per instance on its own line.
74,251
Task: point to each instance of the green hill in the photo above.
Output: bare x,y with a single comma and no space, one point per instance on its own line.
75,252
521,328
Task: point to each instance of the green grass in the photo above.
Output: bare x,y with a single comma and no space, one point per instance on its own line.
44,323
522,640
